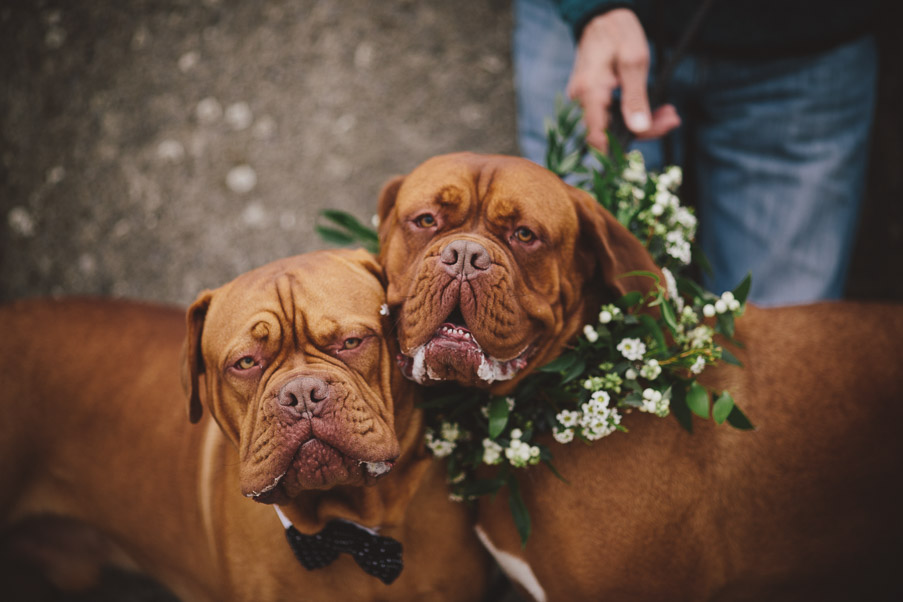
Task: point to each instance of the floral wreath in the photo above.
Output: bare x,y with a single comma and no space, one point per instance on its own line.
629,359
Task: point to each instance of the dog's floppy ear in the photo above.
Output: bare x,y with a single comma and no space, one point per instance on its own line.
192,359
387,197
615,249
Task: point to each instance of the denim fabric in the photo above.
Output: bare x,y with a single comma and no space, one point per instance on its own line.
779,147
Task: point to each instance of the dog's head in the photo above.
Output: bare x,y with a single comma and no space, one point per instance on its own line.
296,373
493,264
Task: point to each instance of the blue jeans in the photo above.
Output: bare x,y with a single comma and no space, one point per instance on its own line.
779,149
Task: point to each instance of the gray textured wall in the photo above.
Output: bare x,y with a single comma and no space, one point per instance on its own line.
121,122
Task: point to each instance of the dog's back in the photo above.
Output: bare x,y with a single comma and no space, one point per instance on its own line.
804,507
60,457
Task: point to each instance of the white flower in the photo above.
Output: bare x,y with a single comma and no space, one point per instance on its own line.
630,374
520,454
670,283
632,349
709,310
601,397
700,337
450,431
651,370
439,447
654,402
688,316
492,452
698,365
657,209
685,218
730,301
677,246
590,333
516,434
720,306
568,418
563,435
605,317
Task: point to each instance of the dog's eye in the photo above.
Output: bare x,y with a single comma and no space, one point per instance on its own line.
425,221
524,235
351,343
245,363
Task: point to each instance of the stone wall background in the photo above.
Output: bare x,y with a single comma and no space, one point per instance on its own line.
122,122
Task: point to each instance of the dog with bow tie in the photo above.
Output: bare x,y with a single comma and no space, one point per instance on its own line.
493,267
305,476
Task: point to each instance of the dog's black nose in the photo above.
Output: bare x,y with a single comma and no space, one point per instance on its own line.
302,392
465,258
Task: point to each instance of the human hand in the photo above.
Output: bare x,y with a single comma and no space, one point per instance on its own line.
613,53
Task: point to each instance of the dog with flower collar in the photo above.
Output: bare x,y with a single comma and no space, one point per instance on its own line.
494,266
305,476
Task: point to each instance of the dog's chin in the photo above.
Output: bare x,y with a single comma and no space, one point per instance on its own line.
318,465
453,354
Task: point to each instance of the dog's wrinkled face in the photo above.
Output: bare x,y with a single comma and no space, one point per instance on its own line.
488,259
297,373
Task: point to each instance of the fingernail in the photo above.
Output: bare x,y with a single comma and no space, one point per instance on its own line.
639,122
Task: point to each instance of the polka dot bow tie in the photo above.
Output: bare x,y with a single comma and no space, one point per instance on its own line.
377,555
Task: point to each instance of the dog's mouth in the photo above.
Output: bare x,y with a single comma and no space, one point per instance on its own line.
453,354
319,465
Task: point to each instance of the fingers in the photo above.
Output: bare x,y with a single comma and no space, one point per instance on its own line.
613,52
633,73
664,119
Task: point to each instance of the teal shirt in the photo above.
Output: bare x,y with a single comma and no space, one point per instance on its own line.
753,28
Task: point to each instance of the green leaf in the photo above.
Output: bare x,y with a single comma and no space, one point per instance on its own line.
698,400
738,420
498,416
669,316
480,487
680,410
722,408
653,329
518,510
574,371
690,288
742,290
629,300
363,233
730,358
333,236
561,363
725,324
652,275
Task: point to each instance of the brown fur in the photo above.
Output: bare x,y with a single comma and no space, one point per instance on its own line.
94,429
805,507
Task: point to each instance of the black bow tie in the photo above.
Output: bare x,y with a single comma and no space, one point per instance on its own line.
376,555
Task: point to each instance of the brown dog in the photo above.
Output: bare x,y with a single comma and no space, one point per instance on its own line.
302,411
493,265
